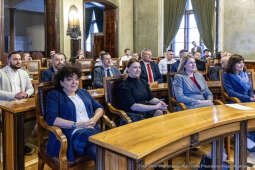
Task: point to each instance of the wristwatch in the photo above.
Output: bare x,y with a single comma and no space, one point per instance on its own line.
74,125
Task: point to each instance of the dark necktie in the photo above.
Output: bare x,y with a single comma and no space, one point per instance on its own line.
108,74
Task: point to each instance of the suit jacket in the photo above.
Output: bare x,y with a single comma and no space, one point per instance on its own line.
99,74
174,66
188,93
6,91
58,104
199,49
155,71
234,88
48,74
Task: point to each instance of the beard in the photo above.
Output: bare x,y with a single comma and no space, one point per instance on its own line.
59,66
15,66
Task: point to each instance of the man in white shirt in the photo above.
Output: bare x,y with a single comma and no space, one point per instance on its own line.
126,57
15,84
169,59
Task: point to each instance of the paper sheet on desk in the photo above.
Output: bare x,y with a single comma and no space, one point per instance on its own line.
240,107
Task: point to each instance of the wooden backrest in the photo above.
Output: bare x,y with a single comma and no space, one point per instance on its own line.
111,85
40,73
85,63
170,79
43,89
33,66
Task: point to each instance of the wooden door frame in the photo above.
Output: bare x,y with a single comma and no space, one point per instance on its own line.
108,5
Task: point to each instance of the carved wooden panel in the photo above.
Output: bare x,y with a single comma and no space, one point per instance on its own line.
110,32
52,29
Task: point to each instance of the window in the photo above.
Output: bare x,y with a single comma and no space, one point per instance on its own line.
93,29
187,32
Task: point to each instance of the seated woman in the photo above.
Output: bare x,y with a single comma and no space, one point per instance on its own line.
135,96
236,81
237,84
190,86
75,112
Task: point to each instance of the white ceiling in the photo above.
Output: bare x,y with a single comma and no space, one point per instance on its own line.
26,5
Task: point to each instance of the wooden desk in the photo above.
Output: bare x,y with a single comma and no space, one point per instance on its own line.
13,116
151,141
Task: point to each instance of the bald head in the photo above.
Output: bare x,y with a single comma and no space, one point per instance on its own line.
224,61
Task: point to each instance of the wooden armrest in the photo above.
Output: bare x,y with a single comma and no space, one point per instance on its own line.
218,102
108,122
59,135
182,105
119,112
234,99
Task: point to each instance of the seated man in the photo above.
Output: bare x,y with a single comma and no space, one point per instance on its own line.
26,56
15,83
206,55
150,71
174,66
58,61
200,63
79,55
167,60
126,57
106,70
214,73
99,60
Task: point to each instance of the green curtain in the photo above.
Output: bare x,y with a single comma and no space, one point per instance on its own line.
99,14
88,20
205,14
173,12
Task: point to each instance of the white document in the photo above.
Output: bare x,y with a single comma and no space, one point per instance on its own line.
240,107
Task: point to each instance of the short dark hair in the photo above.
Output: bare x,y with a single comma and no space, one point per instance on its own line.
127,49
131,61
67,71
12,53
104,54
206,50
182,51
170,50
235,58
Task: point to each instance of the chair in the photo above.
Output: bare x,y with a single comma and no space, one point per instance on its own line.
33,66
225,96
61,162
85,64
40,73
110,92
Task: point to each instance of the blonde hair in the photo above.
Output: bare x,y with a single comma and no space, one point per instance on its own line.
184,60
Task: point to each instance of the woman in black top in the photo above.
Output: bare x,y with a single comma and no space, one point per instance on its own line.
135,96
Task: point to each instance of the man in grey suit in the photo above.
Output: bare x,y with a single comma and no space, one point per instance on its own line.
15,84
106,70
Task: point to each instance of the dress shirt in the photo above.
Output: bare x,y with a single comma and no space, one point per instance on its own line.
145,63
15,79
124,58
163,65
105,71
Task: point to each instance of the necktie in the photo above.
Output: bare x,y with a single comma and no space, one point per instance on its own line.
108,73
150,73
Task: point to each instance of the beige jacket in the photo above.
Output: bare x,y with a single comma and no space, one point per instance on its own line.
6,91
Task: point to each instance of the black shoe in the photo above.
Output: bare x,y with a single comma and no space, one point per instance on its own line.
28,150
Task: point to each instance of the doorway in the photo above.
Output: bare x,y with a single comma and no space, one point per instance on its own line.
100,28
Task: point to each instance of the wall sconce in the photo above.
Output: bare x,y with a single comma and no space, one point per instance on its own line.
73,23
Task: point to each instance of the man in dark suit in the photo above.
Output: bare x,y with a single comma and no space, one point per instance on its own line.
195,48
199,62
174,66
58,61
149,70
106,70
